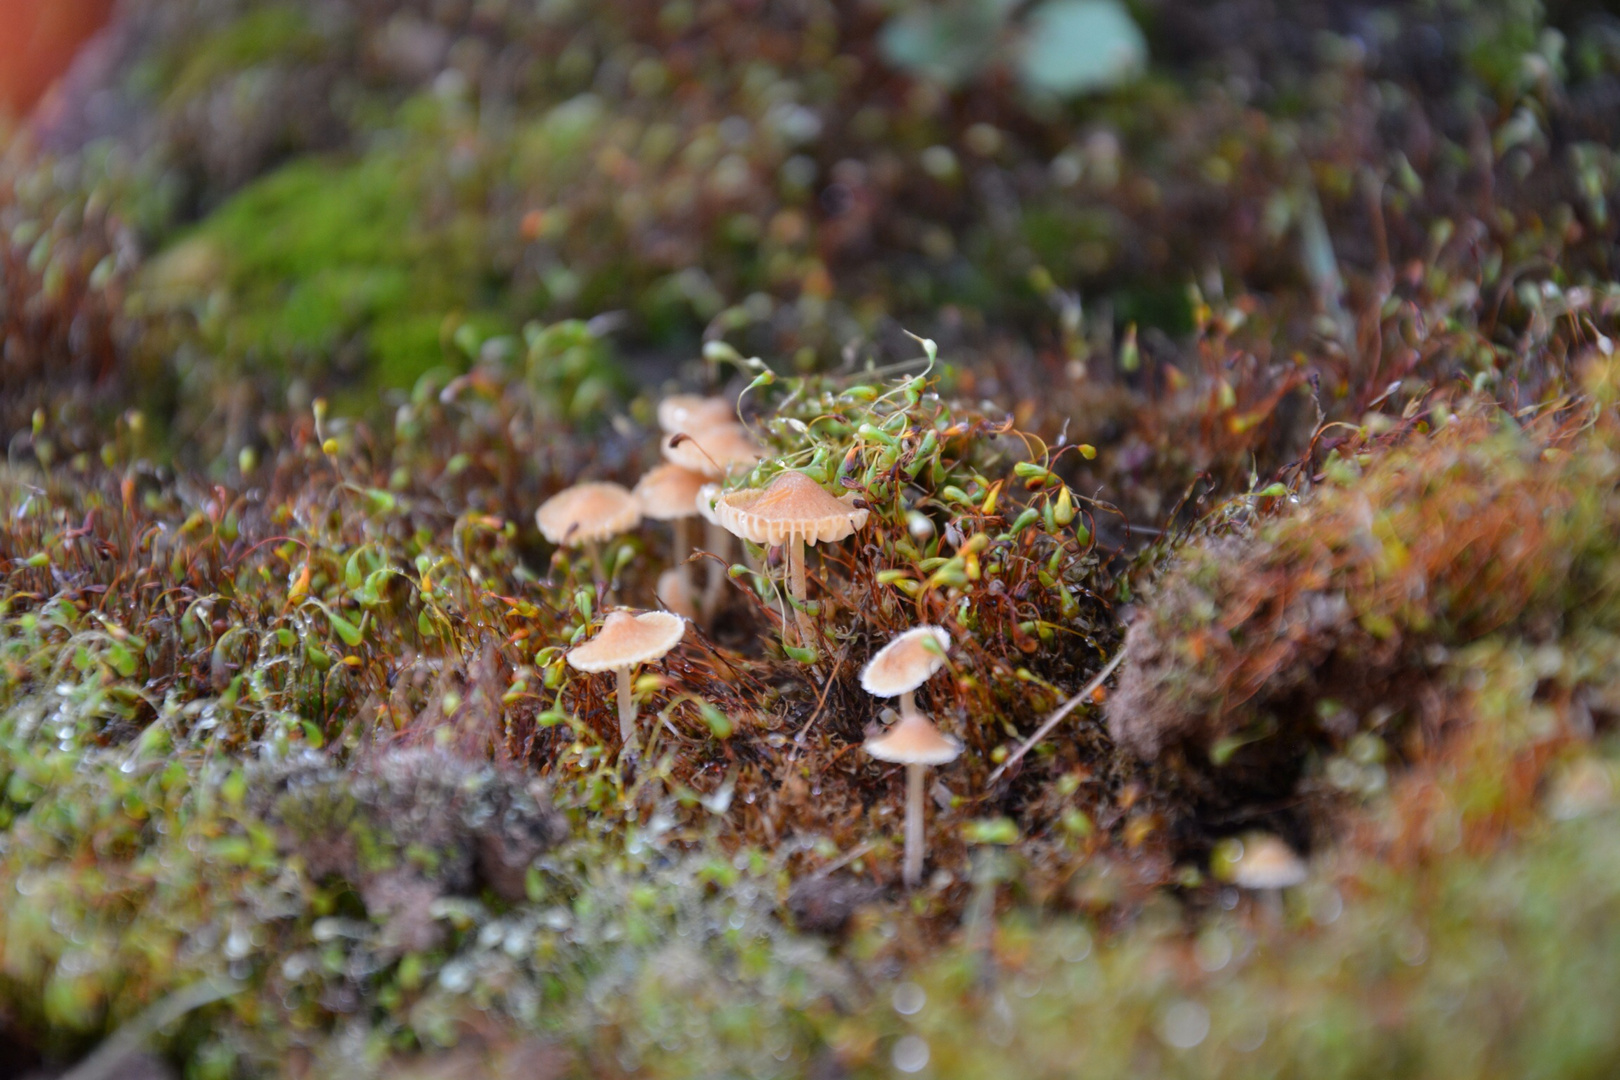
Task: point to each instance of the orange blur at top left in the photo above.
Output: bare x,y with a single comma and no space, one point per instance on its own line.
38,39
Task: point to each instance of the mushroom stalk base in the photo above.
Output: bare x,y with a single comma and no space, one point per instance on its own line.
911,873
627,708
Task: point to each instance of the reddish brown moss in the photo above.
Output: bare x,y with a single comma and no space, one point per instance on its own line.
1341,615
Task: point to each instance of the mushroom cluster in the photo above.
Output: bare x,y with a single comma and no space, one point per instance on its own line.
670,493
704,444
703,438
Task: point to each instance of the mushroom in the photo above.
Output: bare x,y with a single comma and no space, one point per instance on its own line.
692,412
1262,862
716,449
792,510
625,640
713,451
905,664
586,514
915,743
675,594
669,493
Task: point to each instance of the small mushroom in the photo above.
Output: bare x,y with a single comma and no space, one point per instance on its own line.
669,493
714,451
586,514
694,413
915,743
625,640
792,510
905,664
675,594
1263,862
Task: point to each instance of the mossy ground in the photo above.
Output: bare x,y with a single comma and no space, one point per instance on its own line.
1287,368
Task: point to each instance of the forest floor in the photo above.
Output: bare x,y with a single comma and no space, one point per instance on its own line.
1246,388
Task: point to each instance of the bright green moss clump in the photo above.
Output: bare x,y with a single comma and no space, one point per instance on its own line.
323,258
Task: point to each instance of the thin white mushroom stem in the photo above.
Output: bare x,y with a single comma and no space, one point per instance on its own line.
627,708
911,873
908,703
796,566
796,587
719,542
682,554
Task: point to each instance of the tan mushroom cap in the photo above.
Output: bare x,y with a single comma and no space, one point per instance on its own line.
791,506
714,451
1267,863
693,412
668,491
914,741
627,639
587,512
906,662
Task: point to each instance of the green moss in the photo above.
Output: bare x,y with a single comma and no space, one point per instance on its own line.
1483,535
322,255
273,33
206,677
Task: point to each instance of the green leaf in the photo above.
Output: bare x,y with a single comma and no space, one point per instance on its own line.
228,699
353,574
382,502
345,629
122,660
719,723
999,830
